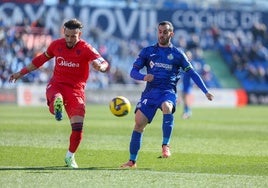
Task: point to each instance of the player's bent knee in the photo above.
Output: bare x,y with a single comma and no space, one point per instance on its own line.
167,107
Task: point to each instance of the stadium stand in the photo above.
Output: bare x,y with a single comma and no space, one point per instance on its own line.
19,44
246,58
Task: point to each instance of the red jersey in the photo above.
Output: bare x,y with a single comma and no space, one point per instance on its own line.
71,64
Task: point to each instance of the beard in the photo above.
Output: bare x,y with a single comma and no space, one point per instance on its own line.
163,41
69,45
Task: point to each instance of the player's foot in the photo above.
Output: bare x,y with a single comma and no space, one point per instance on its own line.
186,115
165,151
70,162
58,108
129,164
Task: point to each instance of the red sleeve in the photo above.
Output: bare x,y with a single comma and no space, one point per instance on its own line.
51,48
39,60
94,54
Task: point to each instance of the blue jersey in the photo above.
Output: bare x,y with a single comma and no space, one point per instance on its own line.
164,63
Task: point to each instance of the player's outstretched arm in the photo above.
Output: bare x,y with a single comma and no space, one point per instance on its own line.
15,76
199,82
35,64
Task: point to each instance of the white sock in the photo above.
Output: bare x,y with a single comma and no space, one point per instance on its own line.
69,154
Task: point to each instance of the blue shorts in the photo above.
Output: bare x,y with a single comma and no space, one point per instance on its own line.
151,101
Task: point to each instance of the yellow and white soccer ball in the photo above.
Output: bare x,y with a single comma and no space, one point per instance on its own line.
120,106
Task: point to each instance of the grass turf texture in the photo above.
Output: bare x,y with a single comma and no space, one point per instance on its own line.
223,147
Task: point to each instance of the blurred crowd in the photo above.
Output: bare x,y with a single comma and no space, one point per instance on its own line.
247,54
18,44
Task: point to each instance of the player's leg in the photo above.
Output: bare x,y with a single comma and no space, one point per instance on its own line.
58,107
75,108
167,126
74,141
143,116
186,96
187,112
55,101
136,139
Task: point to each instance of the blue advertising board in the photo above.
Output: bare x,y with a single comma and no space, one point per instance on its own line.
130,23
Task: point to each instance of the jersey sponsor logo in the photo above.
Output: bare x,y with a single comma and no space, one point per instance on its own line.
151,64
161,65
61,62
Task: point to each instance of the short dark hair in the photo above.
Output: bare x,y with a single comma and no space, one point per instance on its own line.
73,24
167,23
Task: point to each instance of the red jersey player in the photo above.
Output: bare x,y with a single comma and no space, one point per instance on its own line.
66,88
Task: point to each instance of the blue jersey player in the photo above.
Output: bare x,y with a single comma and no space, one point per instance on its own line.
186,96
187,87
163,63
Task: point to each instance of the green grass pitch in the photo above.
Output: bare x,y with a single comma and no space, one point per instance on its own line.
217,147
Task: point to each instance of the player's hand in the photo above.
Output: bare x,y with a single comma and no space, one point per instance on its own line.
102,67
96,65
209,96
14,77
148,77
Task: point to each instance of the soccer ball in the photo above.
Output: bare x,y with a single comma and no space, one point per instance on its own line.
120,106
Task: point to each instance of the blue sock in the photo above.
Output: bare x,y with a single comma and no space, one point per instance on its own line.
186,108
167,127
135,145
